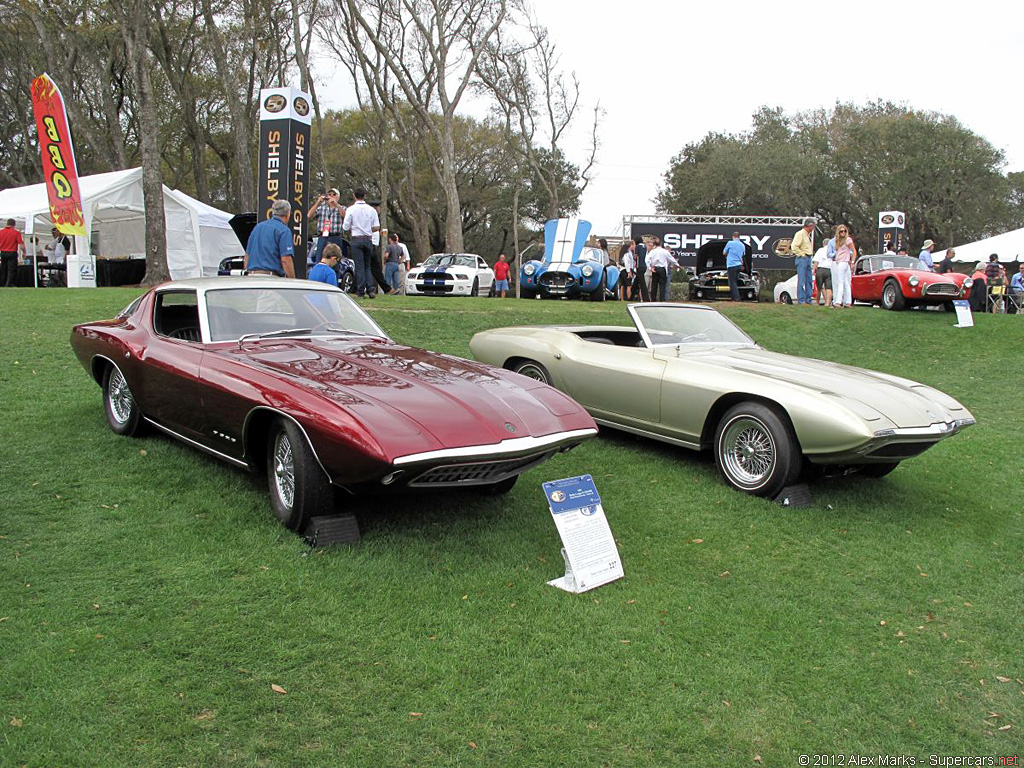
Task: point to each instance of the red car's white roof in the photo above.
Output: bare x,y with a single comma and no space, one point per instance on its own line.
216,283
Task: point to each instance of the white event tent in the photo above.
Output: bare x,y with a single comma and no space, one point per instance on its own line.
1009,246
198,235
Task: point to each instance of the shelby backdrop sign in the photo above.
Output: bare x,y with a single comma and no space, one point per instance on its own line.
769,236
891,234
284,160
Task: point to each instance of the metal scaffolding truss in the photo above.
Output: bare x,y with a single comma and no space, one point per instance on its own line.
726,221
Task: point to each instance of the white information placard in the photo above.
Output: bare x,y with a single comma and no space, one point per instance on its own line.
964,318
591,557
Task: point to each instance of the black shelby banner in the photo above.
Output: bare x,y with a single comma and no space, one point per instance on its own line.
284,160
891,236
769,242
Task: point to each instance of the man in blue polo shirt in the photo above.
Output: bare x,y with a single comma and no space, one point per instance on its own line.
269,250
734,252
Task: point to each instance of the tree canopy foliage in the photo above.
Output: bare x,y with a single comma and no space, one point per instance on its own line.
486,173
846,164
191,70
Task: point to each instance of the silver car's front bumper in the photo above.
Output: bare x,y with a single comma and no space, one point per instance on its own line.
895,444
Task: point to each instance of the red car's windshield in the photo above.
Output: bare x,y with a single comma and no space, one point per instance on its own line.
237,312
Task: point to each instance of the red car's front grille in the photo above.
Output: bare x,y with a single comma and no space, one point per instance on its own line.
942,289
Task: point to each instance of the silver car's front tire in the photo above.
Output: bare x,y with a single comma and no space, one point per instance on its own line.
532,370
755,450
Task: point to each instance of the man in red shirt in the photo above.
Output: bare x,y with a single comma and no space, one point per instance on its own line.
11,244
501,276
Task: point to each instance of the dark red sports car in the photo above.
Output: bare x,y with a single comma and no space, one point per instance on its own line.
900,282
292,377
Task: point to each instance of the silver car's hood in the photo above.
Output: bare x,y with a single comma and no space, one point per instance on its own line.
903,402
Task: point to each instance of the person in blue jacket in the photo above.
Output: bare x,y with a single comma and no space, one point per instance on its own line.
324,271
734,252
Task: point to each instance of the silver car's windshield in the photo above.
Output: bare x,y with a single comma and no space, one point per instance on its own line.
237,312
666,324
450,260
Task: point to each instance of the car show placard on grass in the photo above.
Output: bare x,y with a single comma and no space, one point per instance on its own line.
591,557
964,318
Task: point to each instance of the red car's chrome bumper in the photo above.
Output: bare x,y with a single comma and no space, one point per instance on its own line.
512,448
480,464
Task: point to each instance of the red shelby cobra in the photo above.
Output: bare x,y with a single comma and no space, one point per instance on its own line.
899,282
292,377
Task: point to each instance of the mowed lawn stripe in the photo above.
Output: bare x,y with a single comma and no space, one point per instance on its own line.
149,600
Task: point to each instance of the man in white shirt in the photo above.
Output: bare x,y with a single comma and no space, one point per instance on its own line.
658,262
362,221
821,266
57,250
628,270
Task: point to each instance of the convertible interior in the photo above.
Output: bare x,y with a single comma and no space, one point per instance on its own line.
626,337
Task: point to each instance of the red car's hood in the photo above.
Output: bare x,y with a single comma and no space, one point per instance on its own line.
927,278
396,390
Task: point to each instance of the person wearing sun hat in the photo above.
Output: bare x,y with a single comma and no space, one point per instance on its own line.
926,255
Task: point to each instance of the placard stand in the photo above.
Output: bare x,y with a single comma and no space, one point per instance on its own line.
567,582
589,551
964,318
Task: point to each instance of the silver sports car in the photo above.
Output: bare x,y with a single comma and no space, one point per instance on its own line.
688,376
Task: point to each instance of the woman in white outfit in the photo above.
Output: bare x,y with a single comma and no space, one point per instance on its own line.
845,256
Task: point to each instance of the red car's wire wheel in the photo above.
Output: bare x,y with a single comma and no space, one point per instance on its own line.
284,469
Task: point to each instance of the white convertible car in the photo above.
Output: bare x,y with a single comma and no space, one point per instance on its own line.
450,274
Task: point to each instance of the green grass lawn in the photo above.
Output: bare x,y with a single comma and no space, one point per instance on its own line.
149,600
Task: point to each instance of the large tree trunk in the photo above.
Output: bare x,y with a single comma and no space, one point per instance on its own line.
136,42
515,236
176,60
420,226
246,182
453,240
302,45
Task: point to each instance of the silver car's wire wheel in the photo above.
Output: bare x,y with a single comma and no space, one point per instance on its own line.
748,451
120,397
535,371
284,469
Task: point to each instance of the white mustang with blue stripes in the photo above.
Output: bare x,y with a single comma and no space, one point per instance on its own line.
450,274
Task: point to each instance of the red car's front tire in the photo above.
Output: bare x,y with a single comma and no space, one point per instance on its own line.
299,489
892,296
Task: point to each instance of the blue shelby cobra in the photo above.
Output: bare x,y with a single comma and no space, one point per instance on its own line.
569,269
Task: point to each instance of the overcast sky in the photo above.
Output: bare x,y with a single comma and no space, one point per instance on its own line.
667,73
